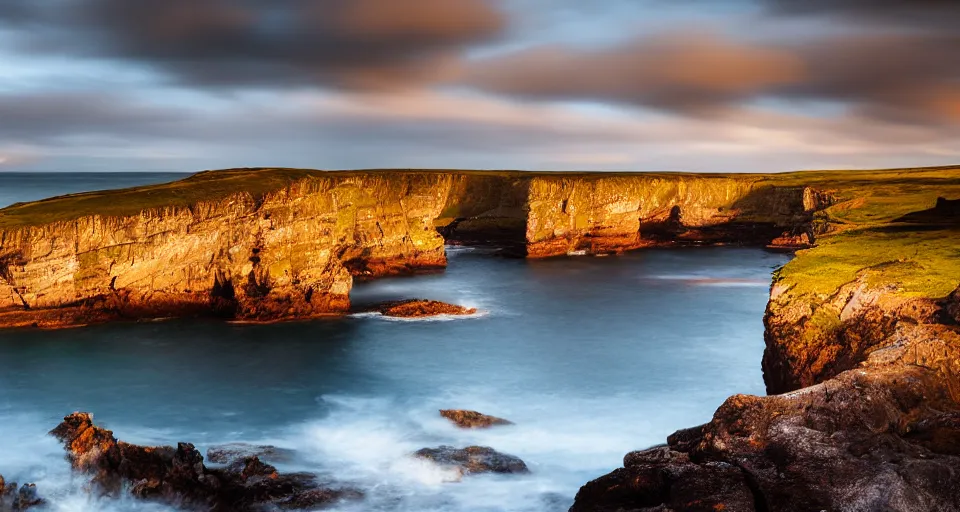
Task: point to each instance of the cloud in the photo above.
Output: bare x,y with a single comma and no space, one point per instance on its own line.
441,130
341,43
928,14
686,72
910,77
29,117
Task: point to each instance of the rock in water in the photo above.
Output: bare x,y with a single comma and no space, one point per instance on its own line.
472,419
474,459
230,453
178,475
27,497
423,308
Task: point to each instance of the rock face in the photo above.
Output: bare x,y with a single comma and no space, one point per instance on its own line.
264,245
178,475
474,460
862,363
418,308
472,419
870,418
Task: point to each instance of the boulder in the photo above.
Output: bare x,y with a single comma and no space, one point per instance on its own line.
27,498
230,453
472,419
179,476
474,460
791,242
419,308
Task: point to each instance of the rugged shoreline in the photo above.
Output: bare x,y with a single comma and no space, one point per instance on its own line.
862,367
862,346
274,244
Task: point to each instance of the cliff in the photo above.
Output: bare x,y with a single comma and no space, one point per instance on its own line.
862,362
862,355
272,244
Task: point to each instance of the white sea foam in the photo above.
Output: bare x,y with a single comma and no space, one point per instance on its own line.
434,318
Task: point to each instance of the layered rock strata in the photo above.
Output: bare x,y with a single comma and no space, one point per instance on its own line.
264,245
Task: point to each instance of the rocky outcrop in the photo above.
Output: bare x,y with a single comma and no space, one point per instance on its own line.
264,245
867,416
472,419
885,437
16,499
599,214
473,460
418,308
178,475
233,452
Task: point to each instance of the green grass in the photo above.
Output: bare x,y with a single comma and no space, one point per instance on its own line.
918,263
205,186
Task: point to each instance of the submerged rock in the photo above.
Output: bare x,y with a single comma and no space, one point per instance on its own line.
474,459
14,499
27,497
472,419
423,308
178,475
230,453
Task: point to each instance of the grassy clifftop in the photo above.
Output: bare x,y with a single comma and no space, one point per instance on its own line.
882,225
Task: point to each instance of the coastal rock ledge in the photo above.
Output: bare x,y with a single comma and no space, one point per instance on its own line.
179,476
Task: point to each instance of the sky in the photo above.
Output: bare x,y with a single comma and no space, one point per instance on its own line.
639,85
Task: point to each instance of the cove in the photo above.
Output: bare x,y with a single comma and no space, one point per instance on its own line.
590,357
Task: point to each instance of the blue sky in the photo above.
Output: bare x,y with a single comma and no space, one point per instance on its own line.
645,85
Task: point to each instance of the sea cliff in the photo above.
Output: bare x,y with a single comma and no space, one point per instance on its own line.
862,357
276,244
862,365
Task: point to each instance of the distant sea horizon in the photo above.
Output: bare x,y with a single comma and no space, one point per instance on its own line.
26,186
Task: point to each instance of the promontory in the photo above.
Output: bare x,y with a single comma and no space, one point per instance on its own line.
862,360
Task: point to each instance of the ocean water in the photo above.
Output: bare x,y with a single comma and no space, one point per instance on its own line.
590,357
17,187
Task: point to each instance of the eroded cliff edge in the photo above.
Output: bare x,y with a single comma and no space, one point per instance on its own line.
862,363
274,244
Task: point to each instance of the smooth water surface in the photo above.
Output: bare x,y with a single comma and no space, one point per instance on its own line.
591,357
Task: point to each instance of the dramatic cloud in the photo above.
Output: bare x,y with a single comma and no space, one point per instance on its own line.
923,13
733,85
32,117
348,43
685,72
914,77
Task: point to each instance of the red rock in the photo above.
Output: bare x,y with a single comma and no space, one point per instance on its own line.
418,308
472,419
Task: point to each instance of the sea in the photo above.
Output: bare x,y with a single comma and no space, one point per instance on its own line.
589,357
